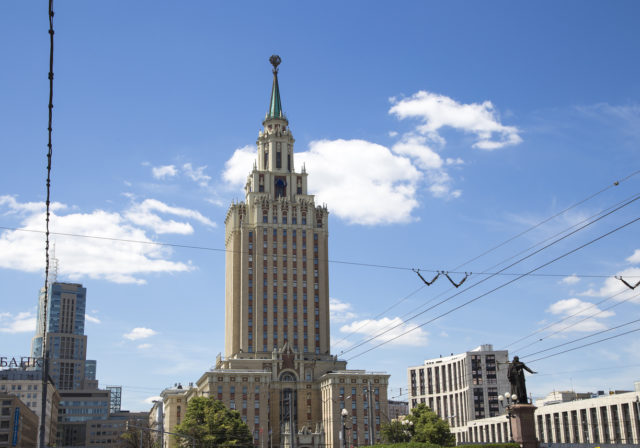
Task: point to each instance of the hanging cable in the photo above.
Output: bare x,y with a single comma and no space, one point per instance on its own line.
45,354
417,271
580,338
544,221
585,345
457,285
628,285
582,310
488,292
502,270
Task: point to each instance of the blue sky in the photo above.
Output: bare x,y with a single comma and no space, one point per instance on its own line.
432,130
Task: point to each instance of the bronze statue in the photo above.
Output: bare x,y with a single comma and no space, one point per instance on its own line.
515,374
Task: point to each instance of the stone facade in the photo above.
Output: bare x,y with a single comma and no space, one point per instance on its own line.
278,371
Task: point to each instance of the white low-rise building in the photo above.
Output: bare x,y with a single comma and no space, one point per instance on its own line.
605,419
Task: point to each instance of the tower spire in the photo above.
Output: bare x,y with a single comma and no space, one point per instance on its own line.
275,105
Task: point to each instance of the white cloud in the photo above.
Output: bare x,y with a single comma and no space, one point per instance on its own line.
161,172
371,327
416,146
571,280
239,165
581,312
365,183
340,311
150,400
197,174
139,333
635,258
144,346
24,322
438,111
116,261
92,319
613,286
143,215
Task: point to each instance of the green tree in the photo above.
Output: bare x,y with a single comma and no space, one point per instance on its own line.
428,427
397,431
210,423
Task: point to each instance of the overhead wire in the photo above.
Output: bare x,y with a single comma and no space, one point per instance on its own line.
502,270
493,290
45,354
585,345
484,272
352,263
580,338
544,221
573,324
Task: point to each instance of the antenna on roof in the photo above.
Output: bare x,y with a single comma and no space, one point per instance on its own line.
53,278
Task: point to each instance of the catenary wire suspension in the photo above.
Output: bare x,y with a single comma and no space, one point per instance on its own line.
628,223
619,277
45,355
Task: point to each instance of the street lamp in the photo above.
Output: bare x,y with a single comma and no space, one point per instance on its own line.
407,424
344,414
507,400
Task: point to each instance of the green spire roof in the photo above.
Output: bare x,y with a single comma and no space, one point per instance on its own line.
275,105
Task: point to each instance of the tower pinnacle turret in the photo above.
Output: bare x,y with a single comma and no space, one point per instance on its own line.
275,105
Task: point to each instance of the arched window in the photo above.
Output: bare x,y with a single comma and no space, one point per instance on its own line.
287,377
281,187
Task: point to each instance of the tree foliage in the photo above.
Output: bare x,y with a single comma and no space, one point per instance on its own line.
212,424
396,431
429,428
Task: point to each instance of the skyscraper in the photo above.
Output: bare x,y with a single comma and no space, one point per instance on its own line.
277,284
68,364
82,404
278,371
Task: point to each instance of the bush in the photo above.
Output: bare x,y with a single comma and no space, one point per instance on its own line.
489,445
407,445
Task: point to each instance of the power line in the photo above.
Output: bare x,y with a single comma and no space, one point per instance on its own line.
544,221
503,269
45,355
563,231
494,289
352,263
369,321
381,314
586,345
581,338
578,321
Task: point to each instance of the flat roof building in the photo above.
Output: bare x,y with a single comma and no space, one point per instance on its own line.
462,387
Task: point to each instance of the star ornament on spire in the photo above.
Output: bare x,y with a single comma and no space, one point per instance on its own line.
275,61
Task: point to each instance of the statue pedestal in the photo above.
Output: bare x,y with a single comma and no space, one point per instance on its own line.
523,425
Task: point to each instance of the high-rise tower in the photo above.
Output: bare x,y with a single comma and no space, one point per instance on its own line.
68,364
277,284
278,371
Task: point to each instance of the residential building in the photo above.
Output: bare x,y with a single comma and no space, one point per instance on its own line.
278,371
27,386
18,423
397,409
463,387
